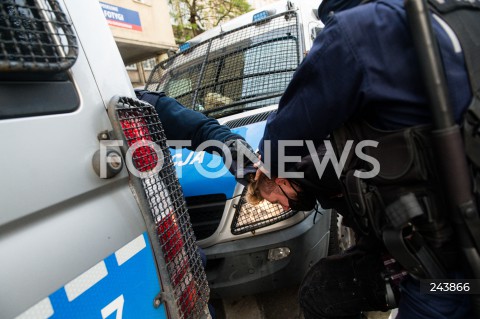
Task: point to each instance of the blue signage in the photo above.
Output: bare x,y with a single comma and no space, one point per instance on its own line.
121,17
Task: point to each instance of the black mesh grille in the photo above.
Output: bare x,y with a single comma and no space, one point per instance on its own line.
251,217
242,69
151,158
205,213
248,120
35,36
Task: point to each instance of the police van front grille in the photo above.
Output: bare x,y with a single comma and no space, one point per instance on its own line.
205,213
35,36
248,120
249,217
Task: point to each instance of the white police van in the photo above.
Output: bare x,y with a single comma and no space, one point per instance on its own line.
80,235
237,73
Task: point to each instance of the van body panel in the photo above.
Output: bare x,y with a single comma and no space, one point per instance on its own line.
60,141
88,19
60,223
252,132
62,241
107,287
242,267
198,166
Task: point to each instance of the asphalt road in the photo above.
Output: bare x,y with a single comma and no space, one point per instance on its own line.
280,304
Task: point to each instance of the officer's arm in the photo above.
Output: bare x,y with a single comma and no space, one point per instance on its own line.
181,123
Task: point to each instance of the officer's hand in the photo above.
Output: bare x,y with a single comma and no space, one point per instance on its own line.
240,157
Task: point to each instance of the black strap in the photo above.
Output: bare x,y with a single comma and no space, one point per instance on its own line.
463,16
413,253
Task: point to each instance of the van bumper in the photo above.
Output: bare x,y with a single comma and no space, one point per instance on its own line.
242,267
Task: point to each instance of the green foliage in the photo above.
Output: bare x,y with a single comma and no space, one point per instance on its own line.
192,17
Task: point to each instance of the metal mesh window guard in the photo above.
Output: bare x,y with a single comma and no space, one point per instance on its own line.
159,186
246,68
35,35
249,217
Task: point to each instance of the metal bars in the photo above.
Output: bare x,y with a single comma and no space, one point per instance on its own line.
35,35
160,196
242,69
249,217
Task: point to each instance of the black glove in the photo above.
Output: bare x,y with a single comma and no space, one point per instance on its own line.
239,157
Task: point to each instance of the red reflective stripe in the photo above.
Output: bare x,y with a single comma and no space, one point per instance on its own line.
136,130
177,259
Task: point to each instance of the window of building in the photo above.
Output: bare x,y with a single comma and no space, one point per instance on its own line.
149,64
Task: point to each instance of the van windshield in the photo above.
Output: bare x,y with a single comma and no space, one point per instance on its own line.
239,70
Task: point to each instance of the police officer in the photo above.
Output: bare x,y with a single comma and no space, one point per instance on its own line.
363,68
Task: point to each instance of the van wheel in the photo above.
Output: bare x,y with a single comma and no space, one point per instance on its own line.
341,237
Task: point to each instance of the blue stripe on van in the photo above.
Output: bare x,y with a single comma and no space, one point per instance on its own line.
201,173
117,284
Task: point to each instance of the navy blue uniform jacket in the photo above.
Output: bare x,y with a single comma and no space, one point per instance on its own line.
362,65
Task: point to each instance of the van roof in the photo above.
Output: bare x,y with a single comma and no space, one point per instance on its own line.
274,8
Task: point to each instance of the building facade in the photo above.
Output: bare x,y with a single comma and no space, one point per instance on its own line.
142,30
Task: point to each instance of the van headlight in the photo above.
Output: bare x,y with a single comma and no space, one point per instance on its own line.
250,217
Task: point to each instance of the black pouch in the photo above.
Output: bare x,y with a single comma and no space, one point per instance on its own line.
404,155
366,204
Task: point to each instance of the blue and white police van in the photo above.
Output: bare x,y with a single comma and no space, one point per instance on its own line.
92,219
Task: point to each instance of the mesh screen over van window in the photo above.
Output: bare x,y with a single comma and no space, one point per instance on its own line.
35,35
245,68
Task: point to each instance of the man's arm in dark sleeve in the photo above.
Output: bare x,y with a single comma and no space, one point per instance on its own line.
181,123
